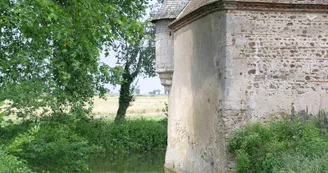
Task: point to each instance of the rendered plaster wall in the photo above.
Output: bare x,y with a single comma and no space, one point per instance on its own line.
164,46
196,130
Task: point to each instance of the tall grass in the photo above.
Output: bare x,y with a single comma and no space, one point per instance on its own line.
281,146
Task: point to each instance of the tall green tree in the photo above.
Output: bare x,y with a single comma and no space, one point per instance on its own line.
137,59
49,50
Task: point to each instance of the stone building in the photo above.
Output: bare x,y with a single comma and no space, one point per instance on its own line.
227,62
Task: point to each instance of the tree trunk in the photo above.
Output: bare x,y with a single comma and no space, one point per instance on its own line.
125,97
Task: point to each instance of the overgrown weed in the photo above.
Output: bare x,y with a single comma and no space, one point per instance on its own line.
281,146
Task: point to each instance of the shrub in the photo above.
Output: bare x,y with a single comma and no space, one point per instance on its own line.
280,146
295,163
21,139
129,136
11,164
56,147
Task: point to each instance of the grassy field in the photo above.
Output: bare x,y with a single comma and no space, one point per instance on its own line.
147,106
143,106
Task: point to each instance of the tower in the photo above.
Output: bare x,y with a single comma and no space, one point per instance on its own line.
165,39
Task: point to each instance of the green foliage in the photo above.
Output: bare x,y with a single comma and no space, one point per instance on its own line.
11,164
22,139
280,146
291,163
135,59
165,110
62,143
57,148
243,160
2,114
128,136
49,50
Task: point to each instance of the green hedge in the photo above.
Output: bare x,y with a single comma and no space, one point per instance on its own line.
129,136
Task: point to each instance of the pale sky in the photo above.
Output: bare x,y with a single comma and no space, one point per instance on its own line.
146,85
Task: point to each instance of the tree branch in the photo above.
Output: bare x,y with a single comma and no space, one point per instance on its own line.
136,72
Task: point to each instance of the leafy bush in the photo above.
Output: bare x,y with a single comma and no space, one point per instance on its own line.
10,131
50,144
131,135
57,148
280,146
11,164
21,139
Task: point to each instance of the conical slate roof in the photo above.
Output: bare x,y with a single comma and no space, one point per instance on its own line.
170,9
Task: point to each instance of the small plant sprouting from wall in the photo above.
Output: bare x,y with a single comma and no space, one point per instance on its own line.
165,110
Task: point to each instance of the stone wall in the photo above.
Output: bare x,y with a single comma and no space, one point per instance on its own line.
236,66
275,61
